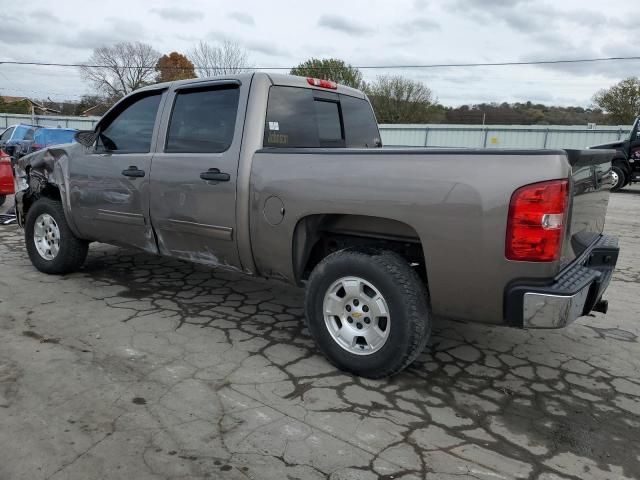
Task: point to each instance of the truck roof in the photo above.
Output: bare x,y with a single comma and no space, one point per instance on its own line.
275,78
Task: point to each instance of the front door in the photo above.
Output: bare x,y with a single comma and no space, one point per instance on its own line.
194,172
109,183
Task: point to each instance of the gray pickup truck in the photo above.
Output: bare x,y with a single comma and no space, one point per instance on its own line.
282,177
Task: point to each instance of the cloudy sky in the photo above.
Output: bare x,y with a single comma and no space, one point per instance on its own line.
364,33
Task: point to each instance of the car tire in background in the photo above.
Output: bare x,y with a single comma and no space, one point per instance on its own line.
368,311
619,178
51,245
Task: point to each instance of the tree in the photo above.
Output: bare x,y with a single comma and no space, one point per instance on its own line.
120,69
621,101
330,69
174,66
396,99
227,59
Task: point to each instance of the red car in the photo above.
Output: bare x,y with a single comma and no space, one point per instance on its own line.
6,177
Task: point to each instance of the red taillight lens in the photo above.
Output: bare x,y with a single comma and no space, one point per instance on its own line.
536,224
4,158
318,82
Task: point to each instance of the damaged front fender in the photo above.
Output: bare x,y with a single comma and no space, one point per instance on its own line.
45,173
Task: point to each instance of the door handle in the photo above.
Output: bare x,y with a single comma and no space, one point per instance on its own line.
215,175
133,171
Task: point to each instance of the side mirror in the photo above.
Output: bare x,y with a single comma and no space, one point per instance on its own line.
86,137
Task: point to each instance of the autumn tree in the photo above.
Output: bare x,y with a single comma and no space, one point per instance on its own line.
227,59
397,99
120,69
330,69
174,66
621,101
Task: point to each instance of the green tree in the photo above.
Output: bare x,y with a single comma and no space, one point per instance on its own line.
174,66
397,99
621,101
330,69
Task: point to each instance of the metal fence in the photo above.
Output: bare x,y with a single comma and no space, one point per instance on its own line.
500,136
81,123
428,135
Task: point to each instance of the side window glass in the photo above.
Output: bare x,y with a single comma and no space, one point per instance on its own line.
203,120
29,135
132,129
7,134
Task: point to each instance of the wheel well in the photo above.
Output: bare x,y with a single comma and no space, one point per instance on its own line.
317,236
621,163
48,190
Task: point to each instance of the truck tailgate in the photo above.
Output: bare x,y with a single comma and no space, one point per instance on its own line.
591,178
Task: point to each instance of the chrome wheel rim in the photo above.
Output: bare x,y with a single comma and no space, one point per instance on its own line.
46,236
615,178
356,315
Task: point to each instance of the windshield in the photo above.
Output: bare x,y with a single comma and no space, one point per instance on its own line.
54,136
20,132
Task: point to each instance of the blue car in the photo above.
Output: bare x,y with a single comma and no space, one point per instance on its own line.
45,137
12,139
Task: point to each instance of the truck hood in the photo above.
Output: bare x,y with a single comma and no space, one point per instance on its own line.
614,145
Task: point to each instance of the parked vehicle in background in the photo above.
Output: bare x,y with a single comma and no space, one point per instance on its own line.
280,177
43,137
12,138
6,177
626,163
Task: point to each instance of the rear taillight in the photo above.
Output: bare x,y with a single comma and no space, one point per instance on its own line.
318,82
4,158
536,224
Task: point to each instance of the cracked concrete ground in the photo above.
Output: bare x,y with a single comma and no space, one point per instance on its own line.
141,367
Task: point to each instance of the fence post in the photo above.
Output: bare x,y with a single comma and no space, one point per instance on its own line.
486,134
546,135
426,136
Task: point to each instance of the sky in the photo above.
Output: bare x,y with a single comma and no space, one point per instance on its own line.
363,33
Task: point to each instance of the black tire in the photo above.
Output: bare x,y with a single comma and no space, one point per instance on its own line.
3,198
408,305
72,252
622,178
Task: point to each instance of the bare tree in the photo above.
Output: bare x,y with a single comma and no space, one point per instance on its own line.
210,60
120,69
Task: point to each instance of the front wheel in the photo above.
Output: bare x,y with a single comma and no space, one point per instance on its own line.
51,245
618,177
368,312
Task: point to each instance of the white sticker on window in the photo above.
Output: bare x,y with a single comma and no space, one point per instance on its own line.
274,126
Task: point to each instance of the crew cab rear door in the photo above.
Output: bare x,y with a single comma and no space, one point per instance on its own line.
194,172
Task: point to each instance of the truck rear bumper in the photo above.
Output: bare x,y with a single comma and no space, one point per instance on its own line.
575,292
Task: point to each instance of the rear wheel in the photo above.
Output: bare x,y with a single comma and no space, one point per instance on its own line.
368,312
51,245
619,178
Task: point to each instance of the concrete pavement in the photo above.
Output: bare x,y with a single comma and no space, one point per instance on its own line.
140,367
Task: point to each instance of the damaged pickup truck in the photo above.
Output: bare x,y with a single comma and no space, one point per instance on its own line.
282,177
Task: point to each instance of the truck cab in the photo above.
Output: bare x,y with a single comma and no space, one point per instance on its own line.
626,163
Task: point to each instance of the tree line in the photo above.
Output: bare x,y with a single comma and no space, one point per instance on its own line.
117,70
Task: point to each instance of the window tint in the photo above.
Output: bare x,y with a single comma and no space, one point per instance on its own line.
360,126
203,121
131,130
291,118
6,135
302,117
328,118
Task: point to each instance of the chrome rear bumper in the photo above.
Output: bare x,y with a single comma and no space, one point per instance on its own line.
573,293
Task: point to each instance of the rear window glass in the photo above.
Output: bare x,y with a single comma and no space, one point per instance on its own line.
303,117
203,120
